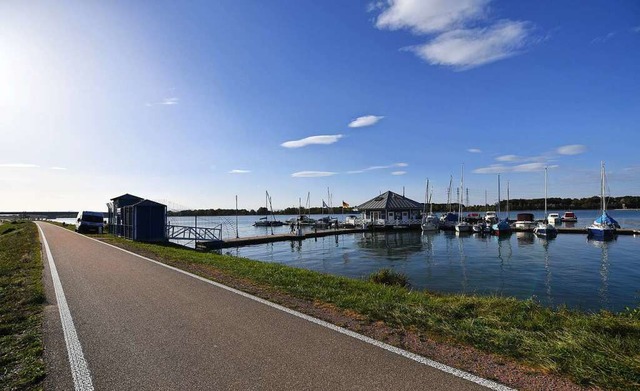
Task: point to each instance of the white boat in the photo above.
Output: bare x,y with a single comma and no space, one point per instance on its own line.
546,229
604,227
569,217
525,221
490,217
430,221
554,218
462,225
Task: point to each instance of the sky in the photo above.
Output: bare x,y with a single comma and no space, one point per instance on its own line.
194,103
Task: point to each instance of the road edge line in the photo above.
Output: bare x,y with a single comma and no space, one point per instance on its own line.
79,368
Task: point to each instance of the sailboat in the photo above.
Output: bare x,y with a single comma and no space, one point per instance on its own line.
448,220
604,227
502,227
544,228
462,225
264,221
429,221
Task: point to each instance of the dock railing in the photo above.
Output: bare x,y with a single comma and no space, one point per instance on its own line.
178,232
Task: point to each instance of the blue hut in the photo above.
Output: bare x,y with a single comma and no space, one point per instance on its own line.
137,218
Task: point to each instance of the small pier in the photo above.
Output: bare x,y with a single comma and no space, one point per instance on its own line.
239,242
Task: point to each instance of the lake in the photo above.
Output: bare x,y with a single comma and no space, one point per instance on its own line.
568,269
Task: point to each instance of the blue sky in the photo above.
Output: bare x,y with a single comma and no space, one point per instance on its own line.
193,103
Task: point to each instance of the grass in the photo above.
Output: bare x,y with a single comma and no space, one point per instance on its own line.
21,305
592,349
389,277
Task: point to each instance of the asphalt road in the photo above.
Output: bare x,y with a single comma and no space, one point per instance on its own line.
143,326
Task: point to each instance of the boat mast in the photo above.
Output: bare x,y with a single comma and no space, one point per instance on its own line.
498,208
449,193
426,197
507,200
601,188
545,192
461,194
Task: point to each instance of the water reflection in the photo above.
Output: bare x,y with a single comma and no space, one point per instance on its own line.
603,292
394,245
525,238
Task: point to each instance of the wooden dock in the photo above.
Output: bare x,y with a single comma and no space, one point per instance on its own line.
239,242
248,241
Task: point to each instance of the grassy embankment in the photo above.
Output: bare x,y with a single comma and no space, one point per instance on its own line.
601,349
21,304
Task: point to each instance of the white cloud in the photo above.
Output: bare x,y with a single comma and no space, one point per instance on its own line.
398,172
169,101
465,49
507,158
459,40
528,167
474,150
239,171
429,16
312,174
574,149
372,168
57,168
492,169
367,120
324,139
18,165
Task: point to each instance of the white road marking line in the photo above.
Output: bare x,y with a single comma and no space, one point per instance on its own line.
412,356
79,369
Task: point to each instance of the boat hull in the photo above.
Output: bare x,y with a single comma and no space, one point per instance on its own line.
601,233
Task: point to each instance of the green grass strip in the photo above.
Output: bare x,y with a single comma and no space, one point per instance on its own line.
592,349
21,307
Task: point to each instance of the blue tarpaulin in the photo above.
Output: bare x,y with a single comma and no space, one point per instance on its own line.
608,220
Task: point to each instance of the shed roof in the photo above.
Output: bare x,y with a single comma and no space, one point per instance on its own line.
127,196
390,201
148,203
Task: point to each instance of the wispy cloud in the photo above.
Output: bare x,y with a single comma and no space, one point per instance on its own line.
474,150
324,140
574,149
604,38
164,102
18,165
492,169
465,49
507,158
366,120
458,40
398,172
57,168
515,163
312,174
372,168
239,171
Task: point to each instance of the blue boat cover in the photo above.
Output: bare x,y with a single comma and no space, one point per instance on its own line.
608,220
450,217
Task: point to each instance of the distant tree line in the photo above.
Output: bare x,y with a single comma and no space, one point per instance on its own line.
262,211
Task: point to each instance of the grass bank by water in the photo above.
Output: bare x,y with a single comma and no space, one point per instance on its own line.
21,304
601,349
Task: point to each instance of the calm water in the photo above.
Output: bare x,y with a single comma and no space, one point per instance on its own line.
569,269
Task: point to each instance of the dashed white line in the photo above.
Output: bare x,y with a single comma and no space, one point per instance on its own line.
79,369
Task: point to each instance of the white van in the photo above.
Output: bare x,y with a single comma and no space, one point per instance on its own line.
89,222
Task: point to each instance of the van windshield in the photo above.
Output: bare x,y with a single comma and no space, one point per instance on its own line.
92,219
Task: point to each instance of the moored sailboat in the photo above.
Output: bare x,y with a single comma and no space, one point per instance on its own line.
604,227
429,221
545,228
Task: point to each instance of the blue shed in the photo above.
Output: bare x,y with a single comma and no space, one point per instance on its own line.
138,219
